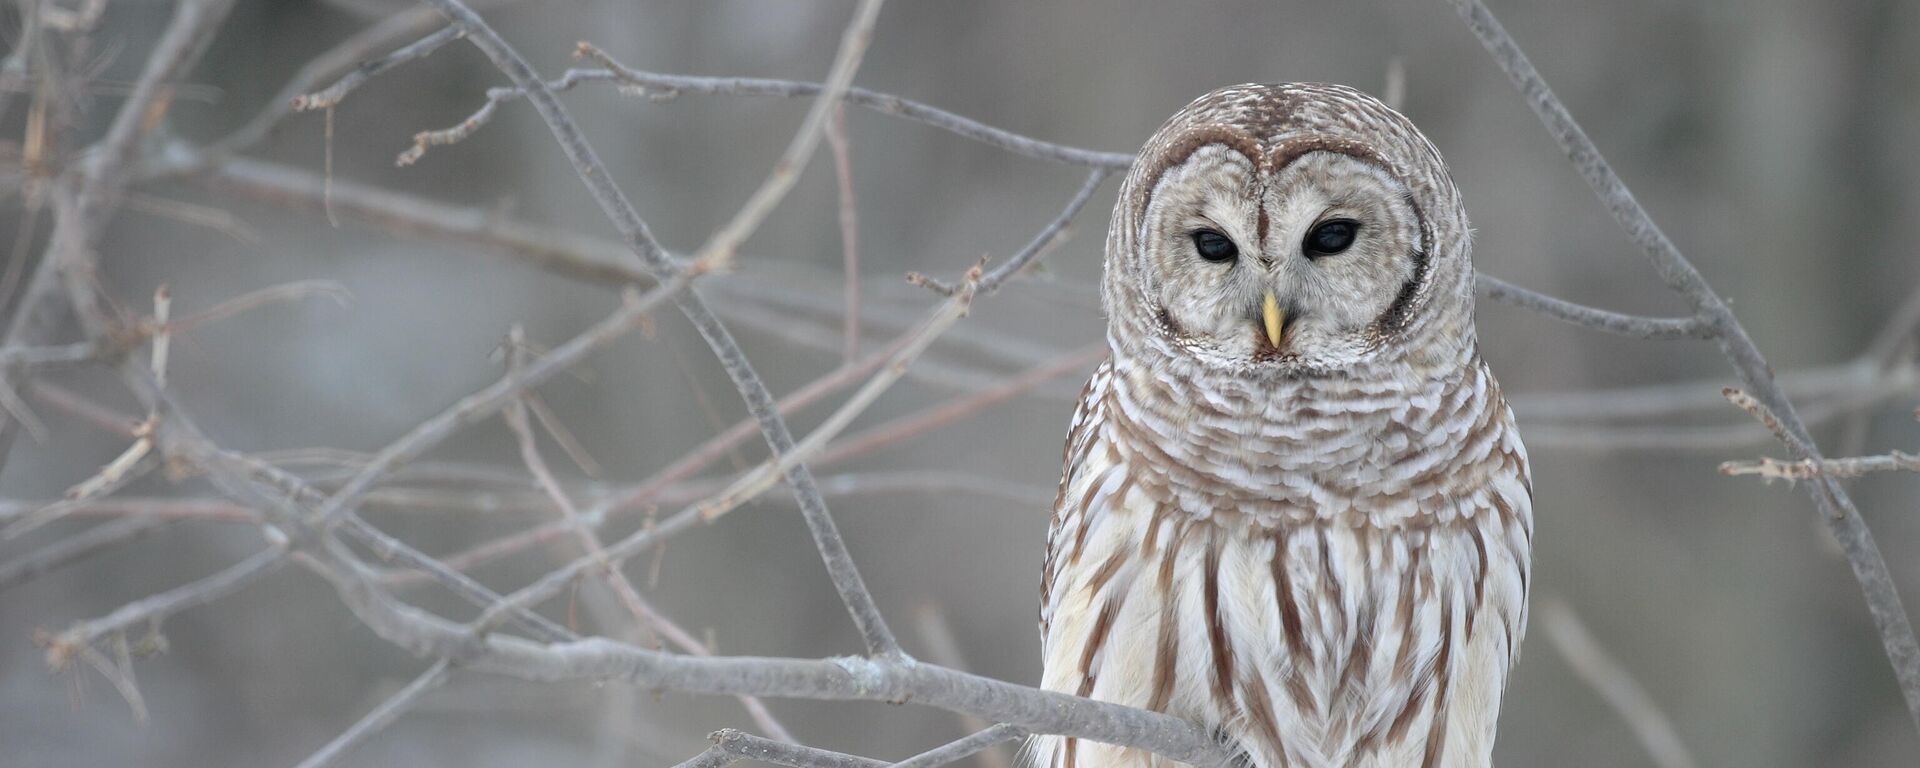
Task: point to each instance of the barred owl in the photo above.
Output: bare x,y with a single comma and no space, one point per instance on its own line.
1295,509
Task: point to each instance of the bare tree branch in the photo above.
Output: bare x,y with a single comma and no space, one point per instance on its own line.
1588,317
1615,684
962,749
331,96
849,229
1041,243
1774,469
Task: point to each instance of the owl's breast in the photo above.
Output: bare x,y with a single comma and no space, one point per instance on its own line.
1314,643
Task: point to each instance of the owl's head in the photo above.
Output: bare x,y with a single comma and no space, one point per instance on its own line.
1290,230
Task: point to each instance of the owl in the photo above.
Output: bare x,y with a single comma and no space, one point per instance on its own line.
1295,509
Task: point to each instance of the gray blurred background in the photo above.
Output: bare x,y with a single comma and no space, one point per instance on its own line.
1773,140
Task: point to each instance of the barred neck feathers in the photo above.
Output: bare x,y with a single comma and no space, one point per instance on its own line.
1376,445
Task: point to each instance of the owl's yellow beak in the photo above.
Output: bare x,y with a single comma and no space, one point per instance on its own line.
1274,317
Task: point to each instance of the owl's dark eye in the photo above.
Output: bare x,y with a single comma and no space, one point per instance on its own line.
1330,237
1214,246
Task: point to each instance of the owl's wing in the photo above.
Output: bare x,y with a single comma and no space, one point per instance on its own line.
1081,433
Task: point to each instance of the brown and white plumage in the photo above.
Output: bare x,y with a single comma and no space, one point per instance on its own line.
1295,508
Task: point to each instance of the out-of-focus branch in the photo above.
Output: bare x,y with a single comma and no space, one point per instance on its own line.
963,748
717,254
381,716
1832,501
731,746
1609,678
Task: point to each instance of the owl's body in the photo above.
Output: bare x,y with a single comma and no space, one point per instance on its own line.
1295,509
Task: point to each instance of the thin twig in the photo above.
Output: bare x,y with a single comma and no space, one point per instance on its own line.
936,635
964,748
1049,236
119,672
743,746
1774,469
294,291
569,443
406,24
1759,411
330,97
131,464
1588,317
916,424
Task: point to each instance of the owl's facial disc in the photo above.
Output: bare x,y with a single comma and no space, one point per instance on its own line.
1308,266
